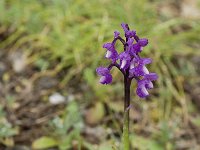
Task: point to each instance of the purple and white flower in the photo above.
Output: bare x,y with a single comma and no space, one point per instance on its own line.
124,60
145,84
106,77
129,62
138,68
111,52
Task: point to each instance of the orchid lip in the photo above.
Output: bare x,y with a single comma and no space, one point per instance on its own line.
108,54
123,63
144,91
150,85
145,70
132,65
102,79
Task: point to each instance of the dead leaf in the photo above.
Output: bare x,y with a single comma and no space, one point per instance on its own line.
95,114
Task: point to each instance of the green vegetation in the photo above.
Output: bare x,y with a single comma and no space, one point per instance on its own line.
63,39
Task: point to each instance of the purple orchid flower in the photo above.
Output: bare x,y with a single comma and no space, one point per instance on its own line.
130,63
138,68
145,84
128,33
132,66
124,60
111,52
143,42
106,77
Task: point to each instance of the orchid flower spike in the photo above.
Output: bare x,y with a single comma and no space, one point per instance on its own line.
129,61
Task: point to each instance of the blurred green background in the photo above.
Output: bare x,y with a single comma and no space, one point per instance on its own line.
49,92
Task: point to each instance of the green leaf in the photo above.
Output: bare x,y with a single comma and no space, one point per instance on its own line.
44,142
105,147
89,76
142,143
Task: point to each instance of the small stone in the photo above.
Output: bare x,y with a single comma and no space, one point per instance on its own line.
56,99
18,60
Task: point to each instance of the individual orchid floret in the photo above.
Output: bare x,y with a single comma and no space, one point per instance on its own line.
143,42
138,68
138,71
124,60
145,84
111,52
138,47
141,89
106,77
128,33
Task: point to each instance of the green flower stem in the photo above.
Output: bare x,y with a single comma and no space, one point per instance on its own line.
125,137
